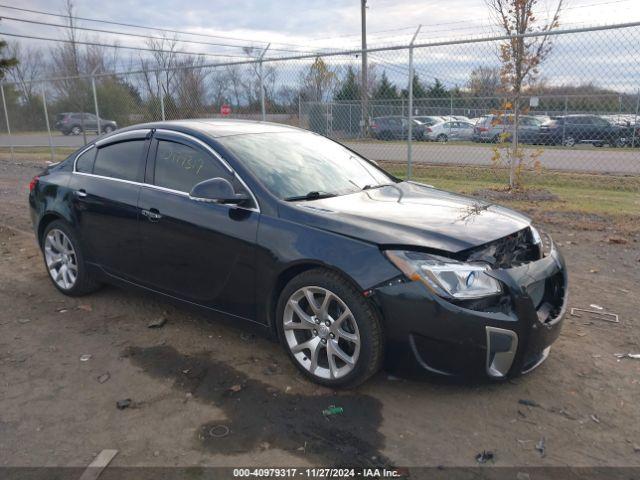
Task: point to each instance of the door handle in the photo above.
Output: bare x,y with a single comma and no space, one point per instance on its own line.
153,215
80,193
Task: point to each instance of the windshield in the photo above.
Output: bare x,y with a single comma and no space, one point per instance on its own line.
297,164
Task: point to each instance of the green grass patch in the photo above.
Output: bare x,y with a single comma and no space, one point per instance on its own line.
609,195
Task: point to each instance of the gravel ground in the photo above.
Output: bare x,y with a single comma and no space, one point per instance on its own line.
209,392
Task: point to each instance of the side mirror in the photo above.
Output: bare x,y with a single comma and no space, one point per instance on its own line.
217,190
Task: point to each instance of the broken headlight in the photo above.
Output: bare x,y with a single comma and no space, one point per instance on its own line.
446,277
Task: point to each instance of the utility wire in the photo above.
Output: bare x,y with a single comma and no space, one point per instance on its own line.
131,25
96,44
99,30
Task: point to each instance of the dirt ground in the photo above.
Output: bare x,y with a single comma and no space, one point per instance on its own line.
206,392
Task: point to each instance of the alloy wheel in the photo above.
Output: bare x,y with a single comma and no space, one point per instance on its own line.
321,332
61,259
76,130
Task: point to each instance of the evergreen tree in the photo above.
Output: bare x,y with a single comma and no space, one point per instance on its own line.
385,90
418,89
437,90
5,63
350,87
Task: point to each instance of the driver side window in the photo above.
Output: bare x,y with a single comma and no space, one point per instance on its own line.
180,167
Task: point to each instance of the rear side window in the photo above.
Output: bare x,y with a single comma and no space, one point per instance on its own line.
84,163
122,160
180,167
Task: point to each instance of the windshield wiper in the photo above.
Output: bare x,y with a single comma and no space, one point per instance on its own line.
315,195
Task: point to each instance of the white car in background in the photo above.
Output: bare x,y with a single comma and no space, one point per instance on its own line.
449,130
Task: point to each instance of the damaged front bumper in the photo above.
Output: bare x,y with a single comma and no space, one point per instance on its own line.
497,338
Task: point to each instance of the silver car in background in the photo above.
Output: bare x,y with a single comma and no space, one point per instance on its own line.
449,130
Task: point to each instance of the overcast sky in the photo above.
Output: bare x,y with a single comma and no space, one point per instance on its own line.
314,24
310,22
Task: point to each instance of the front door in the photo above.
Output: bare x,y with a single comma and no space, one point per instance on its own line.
197,251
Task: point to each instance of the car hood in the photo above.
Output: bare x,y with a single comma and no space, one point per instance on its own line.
409,214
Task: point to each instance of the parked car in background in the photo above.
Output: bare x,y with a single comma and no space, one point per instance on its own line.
569,130
497,128
428,120
72,123
451,130
396,128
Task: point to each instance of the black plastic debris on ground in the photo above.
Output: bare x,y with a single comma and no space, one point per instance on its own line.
485,456
122,404
528,403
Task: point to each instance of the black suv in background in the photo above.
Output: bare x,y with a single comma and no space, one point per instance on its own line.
396,127
73,123
568,130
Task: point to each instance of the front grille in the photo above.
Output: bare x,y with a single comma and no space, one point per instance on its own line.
507,252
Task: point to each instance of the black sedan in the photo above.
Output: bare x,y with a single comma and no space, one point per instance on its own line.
348,266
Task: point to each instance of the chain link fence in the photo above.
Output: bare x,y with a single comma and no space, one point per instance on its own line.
579,115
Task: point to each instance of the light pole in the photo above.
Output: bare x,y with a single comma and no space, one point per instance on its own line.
364,93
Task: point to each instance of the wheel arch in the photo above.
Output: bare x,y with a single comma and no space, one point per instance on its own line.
288,274
47,219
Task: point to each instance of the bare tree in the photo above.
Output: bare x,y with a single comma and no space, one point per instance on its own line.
484,81
160,71
234,76
319,81
521,57
191,87
30,67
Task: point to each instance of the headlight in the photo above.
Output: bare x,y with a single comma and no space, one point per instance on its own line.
446,277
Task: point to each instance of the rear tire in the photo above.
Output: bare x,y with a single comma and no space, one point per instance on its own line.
64,260
76,130
108,129
336,342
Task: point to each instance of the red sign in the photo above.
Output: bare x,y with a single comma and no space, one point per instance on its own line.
225,109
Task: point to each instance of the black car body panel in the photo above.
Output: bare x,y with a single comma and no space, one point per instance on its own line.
411,214
235,259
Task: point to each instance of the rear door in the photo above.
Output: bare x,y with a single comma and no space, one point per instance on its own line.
106,187
198,251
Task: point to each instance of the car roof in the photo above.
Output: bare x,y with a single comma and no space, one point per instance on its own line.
218,127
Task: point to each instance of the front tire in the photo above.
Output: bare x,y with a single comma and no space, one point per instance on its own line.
64,260
442,138
328,328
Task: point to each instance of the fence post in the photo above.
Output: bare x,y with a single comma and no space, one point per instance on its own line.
410,116
6,118
46,120
299,111
635,121
95,103
451,104
262,107
566,110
